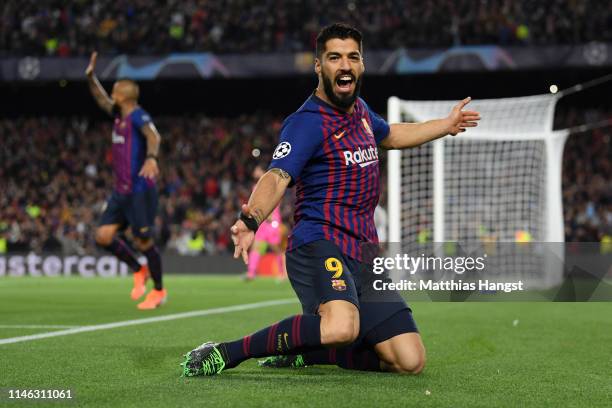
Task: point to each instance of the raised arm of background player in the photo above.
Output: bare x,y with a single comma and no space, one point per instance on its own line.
96,89
150,168
265,197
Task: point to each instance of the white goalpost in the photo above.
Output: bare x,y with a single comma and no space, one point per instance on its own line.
499,182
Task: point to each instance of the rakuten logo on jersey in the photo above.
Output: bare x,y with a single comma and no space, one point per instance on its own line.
362,157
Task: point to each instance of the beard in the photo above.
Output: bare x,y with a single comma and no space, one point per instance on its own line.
344,101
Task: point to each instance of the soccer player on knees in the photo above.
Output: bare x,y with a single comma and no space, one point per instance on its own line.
328,150
133,201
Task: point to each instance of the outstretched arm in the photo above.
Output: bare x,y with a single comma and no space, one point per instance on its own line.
406,135
265,197
96,89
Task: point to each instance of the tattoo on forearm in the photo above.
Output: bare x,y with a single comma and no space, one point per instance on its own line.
281,173
99,93
153,141
96,92
258,215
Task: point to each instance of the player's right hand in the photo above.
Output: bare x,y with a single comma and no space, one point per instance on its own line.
92,64
243,237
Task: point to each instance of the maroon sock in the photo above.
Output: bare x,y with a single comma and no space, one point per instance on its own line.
357,356
155,266
120,249
289,336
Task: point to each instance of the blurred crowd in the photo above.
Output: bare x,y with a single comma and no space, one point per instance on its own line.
76,27
587,177
55,177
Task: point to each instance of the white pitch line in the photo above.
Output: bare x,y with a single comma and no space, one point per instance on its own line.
184,315
36,326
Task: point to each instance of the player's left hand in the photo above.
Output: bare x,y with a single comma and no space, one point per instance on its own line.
459,119
149,169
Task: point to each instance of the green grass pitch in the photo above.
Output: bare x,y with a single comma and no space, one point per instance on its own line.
479,354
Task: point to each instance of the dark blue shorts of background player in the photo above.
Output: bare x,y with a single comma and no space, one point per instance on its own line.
136,210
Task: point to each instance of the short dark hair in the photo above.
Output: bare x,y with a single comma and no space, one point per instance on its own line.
131,82
336,30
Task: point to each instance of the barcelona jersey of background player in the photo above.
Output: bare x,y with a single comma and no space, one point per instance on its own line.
129,152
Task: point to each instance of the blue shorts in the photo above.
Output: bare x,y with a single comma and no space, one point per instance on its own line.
137,210
319,272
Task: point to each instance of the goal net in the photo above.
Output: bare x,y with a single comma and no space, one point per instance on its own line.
497,184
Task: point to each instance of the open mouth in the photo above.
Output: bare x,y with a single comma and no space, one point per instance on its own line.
345,82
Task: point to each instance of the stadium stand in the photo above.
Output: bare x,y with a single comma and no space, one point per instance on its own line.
148,28
587,185
55,177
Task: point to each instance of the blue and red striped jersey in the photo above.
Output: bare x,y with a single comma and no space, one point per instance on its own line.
332,158
129,152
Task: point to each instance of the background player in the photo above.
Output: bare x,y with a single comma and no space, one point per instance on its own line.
268,236
134,198
328,149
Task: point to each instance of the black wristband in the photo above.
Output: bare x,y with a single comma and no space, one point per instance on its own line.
152,156
250,222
